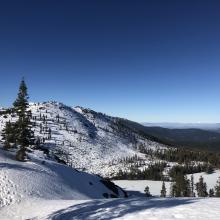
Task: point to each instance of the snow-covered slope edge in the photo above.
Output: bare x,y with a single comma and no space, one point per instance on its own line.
45,179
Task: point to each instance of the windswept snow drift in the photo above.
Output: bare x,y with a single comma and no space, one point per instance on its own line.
45,179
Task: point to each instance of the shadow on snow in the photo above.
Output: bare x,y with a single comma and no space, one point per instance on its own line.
110,209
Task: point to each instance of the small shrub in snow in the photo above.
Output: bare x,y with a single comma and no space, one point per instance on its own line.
147,191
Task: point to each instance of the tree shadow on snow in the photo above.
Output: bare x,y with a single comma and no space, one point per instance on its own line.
111,209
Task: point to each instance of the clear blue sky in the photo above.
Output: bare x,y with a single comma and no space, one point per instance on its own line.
142,60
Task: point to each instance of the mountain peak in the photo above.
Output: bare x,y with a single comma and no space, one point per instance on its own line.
85,139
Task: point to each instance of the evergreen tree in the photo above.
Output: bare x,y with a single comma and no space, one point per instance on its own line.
186,187
201,188
21,103
209,169
180,186
211,193
49,132
147,191
217,188
8,135
23,125
163,191
173,189
192,194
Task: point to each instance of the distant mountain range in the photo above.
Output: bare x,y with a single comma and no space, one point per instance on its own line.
195,135
204,126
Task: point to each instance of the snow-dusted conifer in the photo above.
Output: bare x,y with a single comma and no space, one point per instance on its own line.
8,135
211,193
192,194
163,191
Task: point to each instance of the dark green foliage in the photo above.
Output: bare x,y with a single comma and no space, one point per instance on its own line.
25,136
163,191
180,186
49,133
211,193
23,125
209,169
153,172
217,188
24,133
182,155
201,188
9,135
192,194
21,103
19,132
147,191
187,169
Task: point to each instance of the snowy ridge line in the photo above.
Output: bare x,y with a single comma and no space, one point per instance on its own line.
85,139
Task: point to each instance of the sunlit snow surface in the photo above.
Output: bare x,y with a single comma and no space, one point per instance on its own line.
41,189
131,209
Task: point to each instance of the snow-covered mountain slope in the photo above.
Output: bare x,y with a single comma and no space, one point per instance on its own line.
45,179
85,139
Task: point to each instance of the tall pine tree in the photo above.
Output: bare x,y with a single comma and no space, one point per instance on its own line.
24,133
217,188
192,194
201,188
163,191
211,193
181,186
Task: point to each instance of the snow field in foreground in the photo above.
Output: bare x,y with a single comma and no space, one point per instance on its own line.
119,209
41,189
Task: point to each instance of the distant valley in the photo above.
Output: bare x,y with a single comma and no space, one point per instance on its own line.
199,136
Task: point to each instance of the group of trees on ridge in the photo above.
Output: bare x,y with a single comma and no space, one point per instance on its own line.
183,155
